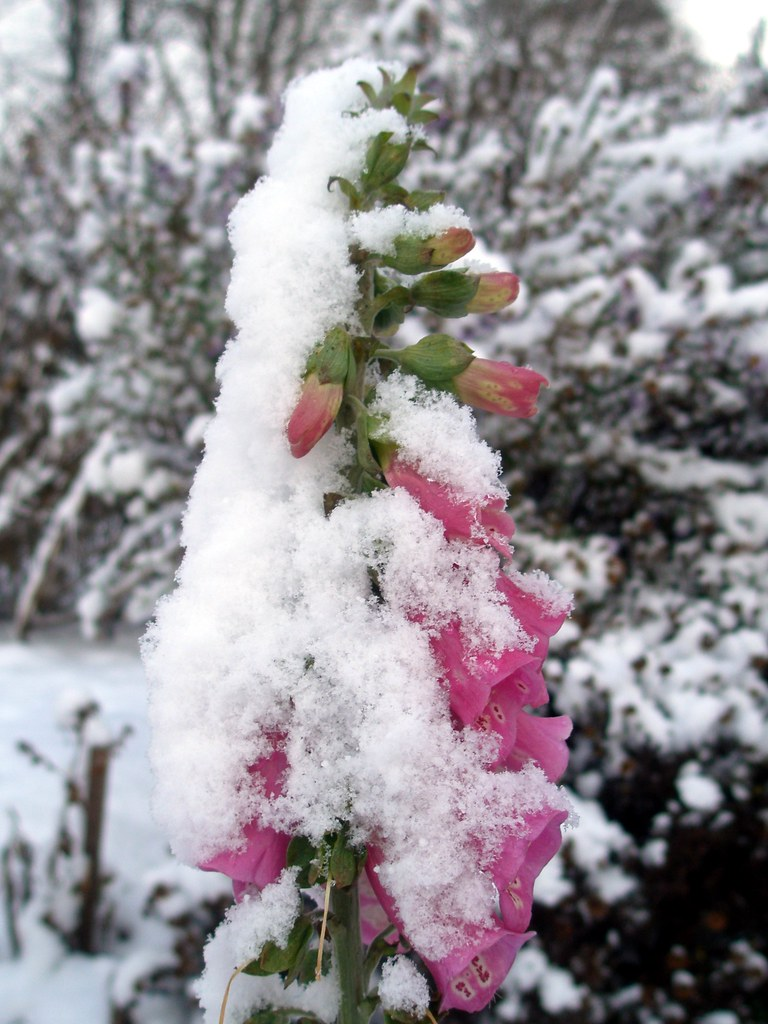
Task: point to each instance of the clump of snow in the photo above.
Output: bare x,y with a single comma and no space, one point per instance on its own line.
437,435
257,919
376,230
250,113
96,316
556,987
698,791
403,988
73,706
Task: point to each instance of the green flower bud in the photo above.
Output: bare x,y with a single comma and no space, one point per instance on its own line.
436,359
415,255
446,293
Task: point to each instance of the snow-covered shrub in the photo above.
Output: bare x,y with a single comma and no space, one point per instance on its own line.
95,474
644,253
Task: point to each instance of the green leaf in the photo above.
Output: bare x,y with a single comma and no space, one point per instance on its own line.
275,959
408,82
369,91
378,950
368,1007
384,161
402,103
302,854
388,309
375,147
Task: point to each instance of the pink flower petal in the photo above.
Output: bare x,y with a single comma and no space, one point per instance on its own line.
469,977
541,740
480,521
260,857
470,678
520,865
374,919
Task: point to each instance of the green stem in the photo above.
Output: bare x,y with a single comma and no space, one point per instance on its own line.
344,926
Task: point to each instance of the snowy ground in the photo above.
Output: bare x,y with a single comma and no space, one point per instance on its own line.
46,984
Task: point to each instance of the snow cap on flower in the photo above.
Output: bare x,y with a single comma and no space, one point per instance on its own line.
479,521
261,857
412,255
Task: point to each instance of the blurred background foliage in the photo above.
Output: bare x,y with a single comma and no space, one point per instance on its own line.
597,160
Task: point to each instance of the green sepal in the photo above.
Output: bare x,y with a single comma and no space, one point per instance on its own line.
275,959
436,359
446,292
370,93
424,199
345,864
331,359
378,950
388,309
383,447
394,195
302,854
369,484
411,255
348,189
365,459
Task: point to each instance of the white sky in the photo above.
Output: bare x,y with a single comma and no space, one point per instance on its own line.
723,29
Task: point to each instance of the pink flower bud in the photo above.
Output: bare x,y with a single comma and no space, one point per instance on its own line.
314,414
450,246
494,292
499,387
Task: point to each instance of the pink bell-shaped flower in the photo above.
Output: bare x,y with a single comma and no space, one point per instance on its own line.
482,521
